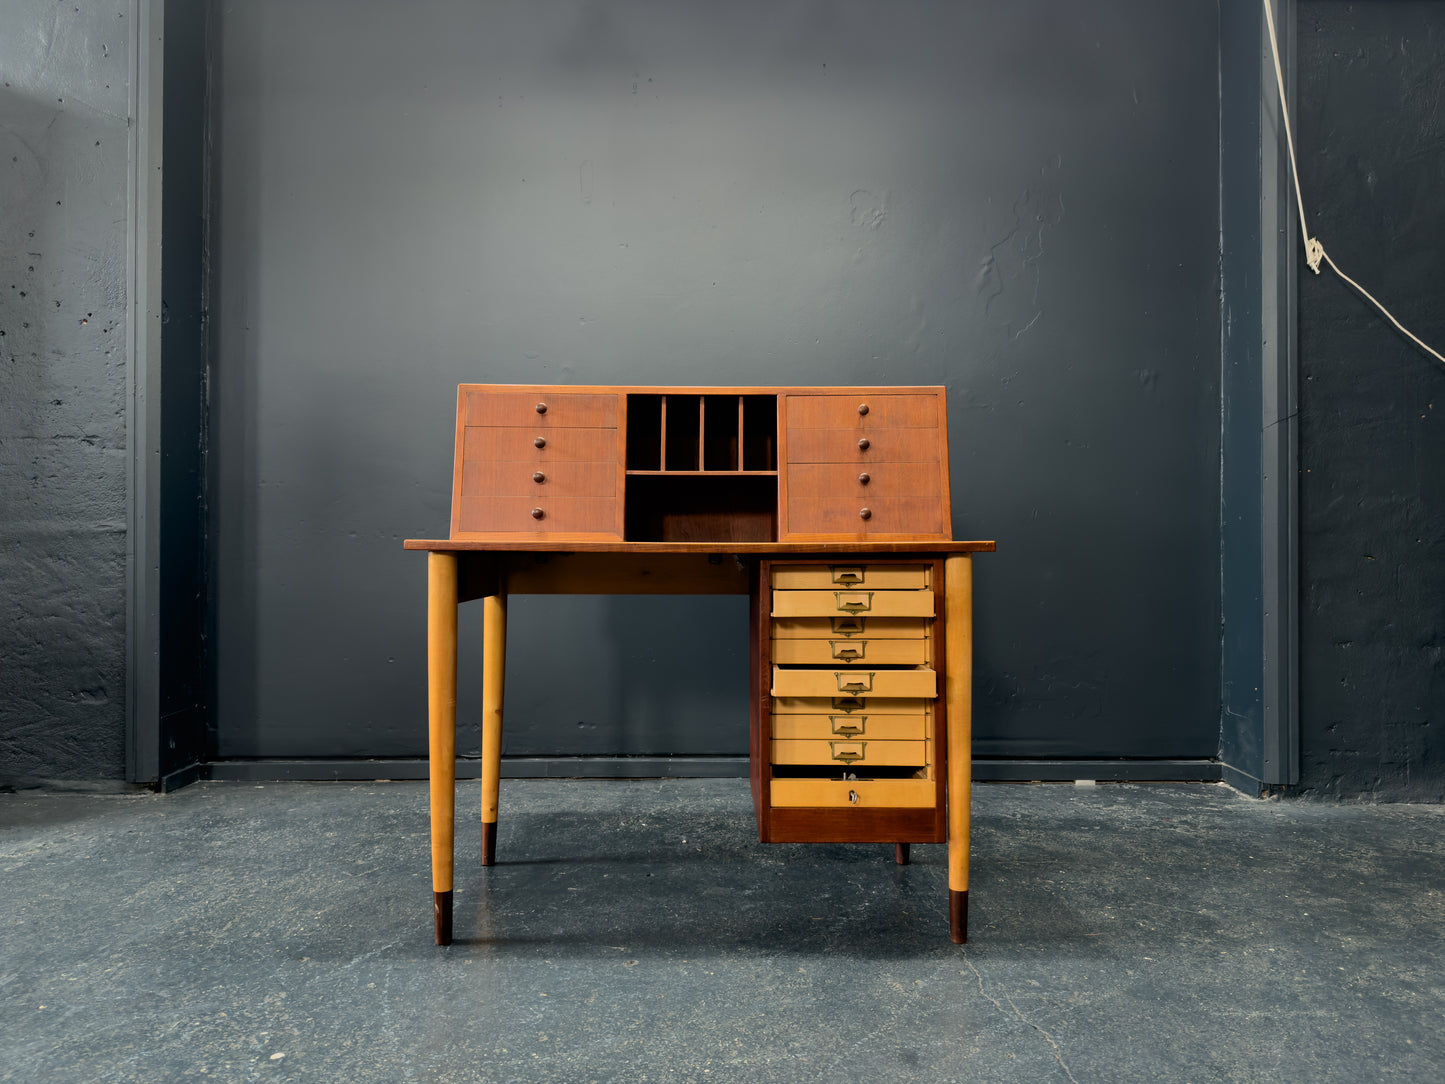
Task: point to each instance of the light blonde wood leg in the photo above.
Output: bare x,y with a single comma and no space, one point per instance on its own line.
958,692
494,672
441,650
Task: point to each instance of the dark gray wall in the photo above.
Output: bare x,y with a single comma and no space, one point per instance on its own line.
1019,201
1371,134
63,211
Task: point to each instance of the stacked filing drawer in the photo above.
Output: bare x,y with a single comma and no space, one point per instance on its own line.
854,710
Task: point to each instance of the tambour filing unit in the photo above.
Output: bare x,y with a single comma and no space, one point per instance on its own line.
828,507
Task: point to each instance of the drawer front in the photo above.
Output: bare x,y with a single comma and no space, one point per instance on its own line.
866,483
852,651
514,515
874,446
848,752
520,444
891,577
847,705
544,408
869,725
866,516
859,683
857,602
874,628
857,793
863,410
493,478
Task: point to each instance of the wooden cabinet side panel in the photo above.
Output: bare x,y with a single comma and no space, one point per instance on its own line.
760,709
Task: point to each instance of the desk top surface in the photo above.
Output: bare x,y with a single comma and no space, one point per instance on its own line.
761,549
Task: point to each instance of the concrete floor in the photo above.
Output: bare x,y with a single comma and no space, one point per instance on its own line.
636,931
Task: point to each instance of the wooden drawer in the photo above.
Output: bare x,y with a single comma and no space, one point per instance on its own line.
891,577
851,752
866,516
857,793
860,683
870,725
875,446
847,705
855,650
860,602
493,478
883,480
863,409
513,515
546,408
520,444
874,628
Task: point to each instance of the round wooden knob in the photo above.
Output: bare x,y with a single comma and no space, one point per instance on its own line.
540,442
862,408
539,477
864,479
541,408
865,513
863,445
537,513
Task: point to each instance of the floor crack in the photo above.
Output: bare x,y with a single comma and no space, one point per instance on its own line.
1058,1054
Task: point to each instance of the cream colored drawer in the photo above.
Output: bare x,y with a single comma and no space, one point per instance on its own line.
875,628
859,602
848,705
872,726
859,793
881,577
851,752
852,650
922,682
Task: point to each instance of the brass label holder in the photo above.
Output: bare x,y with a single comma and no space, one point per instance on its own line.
848,726
853,602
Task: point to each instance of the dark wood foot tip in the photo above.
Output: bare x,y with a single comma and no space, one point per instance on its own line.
900,854
441,903
958,916
489,843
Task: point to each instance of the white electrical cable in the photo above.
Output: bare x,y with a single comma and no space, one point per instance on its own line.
1314,251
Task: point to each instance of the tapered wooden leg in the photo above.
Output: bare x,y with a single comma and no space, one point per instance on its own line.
900,853
494,672
958,692
441,644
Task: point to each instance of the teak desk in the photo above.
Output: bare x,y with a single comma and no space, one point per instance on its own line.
827,507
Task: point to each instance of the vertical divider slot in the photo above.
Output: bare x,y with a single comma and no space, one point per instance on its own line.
759,433
682,432
720,432
644,432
